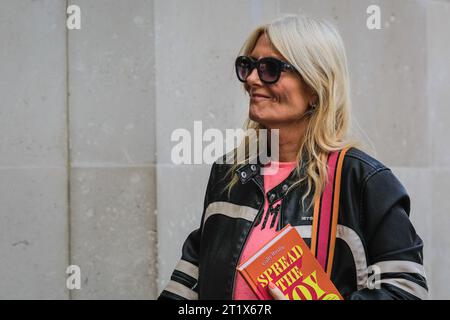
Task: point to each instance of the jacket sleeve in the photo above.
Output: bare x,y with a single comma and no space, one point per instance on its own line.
394,250
183,283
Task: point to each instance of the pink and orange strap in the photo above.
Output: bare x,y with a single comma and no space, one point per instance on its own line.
326,213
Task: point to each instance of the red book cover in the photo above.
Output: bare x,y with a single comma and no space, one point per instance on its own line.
287,261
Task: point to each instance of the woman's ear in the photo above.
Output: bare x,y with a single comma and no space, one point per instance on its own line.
314,101
313,98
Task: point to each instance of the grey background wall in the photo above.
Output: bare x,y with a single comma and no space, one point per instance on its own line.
86,118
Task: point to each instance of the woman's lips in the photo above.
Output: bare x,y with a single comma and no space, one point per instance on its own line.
258,97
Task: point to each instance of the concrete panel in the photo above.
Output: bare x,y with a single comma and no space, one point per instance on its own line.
114,232
33,178
438,45
32,83
441,240
112,112
33,237
111,77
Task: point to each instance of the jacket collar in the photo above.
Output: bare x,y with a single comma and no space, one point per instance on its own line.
252,171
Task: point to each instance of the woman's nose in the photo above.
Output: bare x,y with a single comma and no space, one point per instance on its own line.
253,78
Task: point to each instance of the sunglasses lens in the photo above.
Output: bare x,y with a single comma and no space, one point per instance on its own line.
243,68
269,70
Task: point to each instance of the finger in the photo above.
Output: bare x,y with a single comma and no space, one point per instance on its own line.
275,292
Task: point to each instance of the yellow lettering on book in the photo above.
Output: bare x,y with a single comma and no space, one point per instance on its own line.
280,283
289,278
312,281
264,282
297,273
298,251
292,283
278,267
291,258
283,261
307,288
268,273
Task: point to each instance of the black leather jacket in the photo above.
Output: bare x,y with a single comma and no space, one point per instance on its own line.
374,234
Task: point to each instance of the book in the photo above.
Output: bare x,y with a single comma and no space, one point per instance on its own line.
287,261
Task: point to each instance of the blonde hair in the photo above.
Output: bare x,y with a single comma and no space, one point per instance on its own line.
315,48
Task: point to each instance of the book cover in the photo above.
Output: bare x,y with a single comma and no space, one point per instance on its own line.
287,261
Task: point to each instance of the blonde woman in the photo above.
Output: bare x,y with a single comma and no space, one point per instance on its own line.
295,73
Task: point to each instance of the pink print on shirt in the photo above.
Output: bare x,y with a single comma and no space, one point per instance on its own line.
258,235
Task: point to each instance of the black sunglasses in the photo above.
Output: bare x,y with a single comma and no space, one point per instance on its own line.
269,68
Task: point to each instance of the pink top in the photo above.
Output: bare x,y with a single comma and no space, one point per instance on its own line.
258,237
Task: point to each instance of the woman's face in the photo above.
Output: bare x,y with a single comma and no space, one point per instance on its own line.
285,101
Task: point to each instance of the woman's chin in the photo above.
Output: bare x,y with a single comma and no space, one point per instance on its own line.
257,117
254,115
256,110
260,114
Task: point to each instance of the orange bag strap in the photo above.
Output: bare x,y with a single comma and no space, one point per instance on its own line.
326,213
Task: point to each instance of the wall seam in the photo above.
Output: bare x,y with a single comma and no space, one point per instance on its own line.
155,163
68,159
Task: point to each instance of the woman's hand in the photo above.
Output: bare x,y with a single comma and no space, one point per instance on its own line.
276,293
